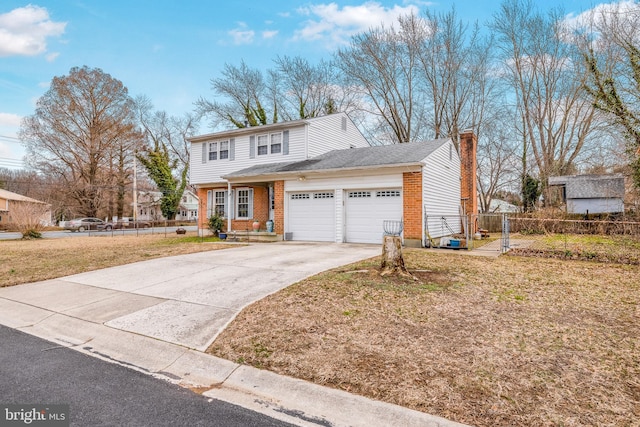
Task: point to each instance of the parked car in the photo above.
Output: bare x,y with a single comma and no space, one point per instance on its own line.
83,224
120,224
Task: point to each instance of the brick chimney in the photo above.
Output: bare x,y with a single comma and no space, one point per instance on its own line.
468,171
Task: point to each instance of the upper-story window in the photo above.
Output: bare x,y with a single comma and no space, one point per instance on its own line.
276,143
270,144
224,150
263,144
219,150
213,151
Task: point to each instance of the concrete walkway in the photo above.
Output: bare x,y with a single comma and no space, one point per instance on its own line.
158,316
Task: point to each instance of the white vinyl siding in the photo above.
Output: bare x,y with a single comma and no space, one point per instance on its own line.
441,190
333,133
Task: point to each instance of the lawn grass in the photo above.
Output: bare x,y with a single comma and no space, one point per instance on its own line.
24,261
509,341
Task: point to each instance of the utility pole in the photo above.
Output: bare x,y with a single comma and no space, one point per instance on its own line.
135,188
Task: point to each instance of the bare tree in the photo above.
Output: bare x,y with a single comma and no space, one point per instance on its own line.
611,50
79,126
247,98
497,159
166,152
306,90
381,65
547,75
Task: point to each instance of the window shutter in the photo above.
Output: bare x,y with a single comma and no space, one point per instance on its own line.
285,142
252,147
209,204
204,152
231,206
251,203
232,149
226,204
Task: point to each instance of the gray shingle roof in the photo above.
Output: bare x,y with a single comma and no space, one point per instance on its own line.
591,186
353,158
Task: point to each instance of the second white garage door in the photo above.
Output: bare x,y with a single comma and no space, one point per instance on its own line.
312,216
366,210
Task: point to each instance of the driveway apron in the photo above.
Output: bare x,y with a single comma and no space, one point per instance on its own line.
185,299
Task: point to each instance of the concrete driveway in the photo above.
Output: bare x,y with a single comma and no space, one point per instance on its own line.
187,299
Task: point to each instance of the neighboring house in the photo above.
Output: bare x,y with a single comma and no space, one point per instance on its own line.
502,206
10,201
591,194
149,206
319,180
188,210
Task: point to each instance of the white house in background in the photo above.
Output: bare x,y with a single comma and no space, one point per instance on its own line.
10,200
593,194
188,206
319,180
149,208
502,206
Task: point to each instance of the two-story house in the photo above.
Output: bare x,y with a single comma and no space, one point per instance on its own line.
319,180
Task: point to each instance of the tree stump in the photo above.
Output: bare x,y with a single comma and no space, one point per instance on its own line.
392,260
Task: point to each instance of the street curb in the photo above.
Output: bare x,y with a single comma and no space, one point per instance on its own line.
288,399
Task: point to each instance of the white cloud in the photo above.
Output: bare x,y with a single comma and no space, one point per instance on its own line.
241,34
50,57
335,24
269,34
24,31
10,119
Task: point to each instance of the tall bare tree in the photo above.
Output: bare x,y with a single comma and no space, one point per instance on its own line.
611,51
80,124
246,98
165,154
547,74
381,64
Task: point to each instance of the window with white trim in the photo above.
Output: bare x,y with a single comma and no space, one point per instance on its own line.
220,207
213,151
276,143
217,203
219,150
263,145
224,150
244,203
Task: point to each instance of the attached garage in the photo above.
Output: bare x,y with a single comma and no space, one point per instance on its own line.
366,211
312,216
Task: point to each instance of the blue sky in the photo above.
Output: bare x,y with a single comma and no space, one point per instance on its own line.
170,50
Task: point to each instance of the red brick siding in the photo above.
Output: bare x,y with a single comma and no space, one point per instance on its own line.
468,172
260,208
278,211
412,204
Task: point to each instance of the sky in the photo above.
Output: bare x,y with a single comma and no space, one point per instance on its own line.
170,50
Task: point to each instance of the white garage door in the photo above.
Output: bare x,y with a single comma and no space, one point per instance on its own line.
367,209
312,216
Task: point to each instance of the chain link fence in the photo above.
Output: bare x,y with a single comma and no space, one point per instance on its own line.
596,240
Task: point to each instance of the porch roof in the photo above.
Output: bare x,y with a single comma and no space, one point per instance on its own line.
412,153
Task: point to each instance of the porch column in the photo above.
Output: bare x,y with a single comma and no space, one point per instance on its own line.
229,201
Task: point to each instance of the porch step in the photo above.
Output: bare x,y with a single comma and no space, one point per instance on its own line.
252,236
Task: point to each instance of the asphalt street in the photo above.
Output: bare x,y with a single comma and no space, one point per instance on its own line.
35,371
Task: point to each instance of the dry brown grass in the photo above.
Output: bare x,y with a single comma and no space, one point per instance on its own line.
489,342
24,261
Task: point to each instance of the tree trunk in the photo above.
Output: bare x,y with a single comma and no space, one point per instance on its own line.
392,260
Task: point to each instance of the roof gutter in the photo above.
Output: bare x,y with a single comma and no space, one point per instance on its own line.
247,130
280,175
